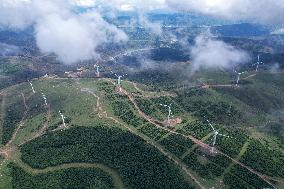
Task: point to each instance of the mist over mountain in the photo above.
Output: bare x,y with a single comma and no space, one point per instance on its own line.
136,94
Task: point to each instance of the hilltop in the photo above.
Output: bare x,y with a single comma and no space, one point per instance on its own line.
121,139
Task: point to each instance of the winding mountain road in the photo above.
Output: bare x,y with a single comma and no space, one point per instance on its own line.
196,141
150,141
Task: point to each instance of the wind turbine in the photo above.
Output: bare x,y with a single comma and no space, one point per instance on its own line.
119,79
32,86
239,77
97,70
44,98
63,119
170,113
216,133
257,63
229,111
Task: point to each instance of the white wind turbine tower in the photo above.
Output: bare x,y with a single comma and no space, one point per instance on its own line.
119,80
239,77
32,87
63,119
97,70
257,63
170,113
216,133
44,98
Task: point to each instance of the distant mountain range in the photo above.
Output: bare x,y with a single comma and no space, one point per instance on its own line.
8,50
240,30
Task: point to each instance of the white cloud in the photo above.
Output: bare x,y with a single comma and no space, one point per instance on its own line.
210,54
134,4
153,27
74,36
84,3
59,30
262,11
68,38
13,14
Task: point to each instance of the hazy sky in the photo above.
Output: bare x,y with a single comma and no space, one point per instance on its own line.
75,36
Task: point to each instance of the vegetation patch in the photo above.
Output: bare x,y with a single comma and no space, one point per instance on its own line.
207,166
139,164
197,129
241,178
66,178
14,112
263,159
208,104
177,145
153,132
152,107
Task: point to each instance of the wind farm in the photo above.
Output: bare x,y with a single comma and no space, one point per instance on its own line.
131,95
186,130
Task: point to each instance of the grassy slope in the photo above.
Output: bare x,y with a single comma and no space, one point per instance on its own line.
266,90
66,95
251,106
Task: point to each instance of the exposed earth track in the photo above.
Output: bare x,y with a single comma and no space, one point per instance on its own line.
42,130
21,123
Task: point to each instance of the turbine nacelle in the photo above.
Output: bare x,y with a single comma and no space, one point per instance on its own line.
216,133
239,73
239,76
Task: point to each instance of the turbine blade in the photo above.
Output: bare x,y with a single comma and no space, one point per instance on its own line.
211,125
225,136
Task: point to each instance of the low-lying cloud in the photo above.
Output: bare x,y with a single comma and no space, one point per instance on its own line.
75,38
74,35
262,11
210,53
133,5
153,27
58,29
